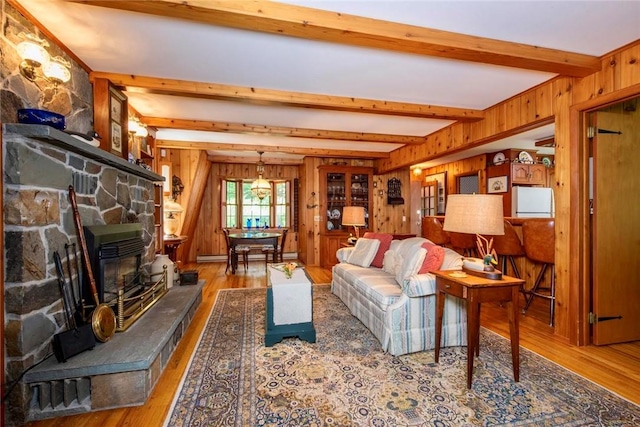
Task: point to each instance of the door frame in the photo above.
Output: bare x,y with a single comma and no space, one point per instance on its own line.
579,242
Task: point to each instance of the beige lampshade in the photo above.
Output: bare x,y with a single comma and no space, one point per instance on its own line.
474,214
171,220
353,215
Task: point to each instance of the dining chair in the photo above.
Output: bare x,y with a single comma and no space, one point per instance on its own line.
432,230
538,237
268,250
508,246
233,252
463,243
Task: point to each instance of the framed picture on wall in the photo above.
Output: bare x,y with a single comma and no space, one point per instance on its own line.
118,117
497,184
116,138
441,194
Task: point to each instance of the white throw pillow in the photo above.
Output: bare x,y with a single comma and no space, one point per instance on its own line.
409,265
452,260
389,262
364,252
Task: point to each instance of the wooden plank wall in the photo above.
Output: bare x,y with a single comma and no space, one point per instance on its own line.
388,218
549,102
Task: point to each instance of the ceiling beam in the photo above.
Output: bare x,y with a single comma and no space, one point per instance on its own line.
267,160
203,125
311,152
186,88
314,24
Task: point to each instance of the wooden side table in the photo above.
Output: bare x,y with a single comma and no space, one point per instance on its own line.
171,245
476,290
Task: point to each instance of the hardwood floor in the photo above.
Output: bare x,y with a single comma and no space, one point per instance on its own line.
615,367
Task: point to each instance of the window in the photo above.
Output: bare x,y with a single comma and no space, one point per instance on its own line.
241,209
468,184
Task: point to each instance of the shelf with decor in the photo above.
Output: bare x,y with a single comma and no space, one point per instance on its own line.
158,217
341,186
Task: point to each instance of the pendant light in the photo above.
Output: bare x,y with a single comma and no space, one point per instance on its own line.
260,187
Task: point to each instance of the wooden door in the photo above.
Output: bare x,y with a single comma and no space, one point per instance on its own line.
429,198
616,226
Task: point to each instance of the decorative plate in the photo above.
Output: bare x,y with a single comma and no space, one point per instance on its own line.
499,158
525,157
546,161
335,214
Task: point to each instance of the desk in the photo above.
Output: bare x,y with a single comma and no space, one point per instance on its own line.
476,290
251,238
171,245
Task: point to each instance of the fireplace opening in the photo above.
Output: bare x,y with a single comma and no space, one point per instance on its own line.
115,252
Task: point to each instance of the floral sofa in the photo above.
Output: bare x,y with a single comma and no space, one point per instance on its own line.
386,286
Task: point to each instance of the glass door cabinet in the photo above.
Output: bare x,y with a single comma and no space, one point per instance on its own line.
339,187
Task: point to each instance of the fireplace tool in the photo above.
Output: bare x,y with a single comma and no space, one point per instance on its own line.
75,339
78,312
103,319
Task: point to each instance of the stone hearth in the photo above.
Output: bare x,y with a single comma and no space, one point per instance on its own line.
120,372
40,163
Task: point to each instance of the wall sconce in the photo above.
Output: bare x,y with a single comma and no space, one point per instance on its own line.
417,171
312,202
34,55
137,128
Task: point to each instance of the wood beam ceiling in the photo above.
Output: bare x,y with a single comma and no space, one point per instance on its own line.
185,88
311,152
313,24
203,125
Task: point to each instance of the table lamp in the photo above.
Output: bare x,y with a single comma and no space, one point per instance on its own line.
353,215
171,221
477,214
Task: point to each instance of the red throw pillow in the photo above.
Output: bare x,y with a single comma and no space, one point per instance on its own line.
385,243
434,259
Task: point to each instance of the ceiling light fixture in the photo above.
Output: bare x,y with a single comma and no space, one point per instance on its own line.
34,55
260,187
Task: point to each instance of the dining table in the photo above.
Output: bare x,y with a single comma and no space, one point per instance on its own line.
252,238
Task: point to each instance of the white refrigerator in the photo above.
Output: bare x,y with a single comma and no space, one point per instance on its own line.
532,202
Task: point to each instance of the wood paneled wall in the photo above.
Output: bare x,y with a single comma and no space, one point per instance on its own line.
389,218
475,164
549,102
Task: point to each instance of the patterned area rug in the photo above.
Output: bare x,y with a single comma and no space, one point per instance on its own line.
344,379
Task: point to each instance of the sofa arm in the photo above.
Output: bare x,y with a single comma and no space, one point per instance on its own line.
419,285
343,254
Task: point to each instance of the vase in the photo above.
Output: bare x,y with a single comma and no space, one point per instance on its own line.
158,266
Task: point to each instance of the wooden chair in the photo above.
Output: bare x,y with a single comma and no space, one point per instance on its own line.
268,250
463,243
539,246
432,230
508,246
233,253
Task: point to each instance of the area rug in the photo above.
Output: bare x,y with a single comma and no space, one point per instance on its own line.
344,379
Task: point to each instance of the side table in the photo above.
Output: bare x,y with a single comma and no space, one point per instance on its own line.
289,310
476,290
171,245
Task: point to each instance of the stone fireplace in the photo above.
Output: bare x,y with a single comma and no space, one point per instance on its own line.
39,165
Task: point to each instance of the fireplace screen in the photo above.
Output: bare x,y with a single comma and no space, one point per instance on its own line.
115,252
